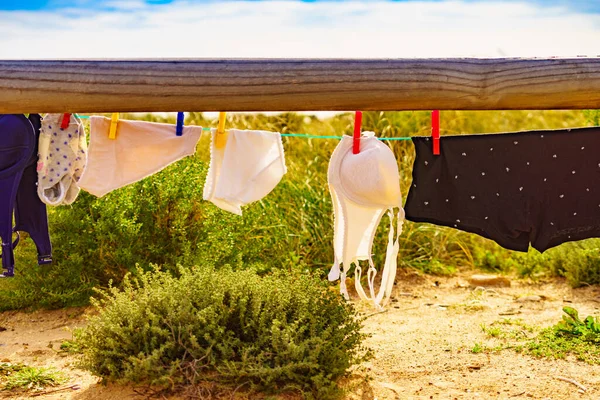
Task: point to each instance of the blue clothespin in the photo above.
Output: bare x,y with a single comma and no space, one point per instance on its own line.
179,128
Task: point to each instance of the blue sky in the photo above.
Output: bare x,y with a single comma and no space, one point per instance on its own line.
279,28
592,6
58,4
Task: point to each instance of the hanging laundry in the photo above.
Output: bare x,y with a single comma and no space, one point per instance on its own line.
245,170
363,188
17,145
30,212
62,158
139,150
518,188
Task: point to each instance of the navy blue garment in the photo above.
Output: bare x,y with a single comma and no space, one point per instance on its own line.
522,188
17,146
30,212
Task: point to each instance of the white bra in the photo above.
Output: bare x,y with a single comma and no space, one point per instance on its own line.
363,187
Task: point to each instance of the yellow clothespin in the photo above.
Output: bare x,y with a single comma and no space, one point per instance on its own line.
114,121
221,136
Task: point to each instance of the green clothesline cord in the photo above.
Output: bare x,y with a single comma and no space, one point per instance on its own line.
305,135
300,135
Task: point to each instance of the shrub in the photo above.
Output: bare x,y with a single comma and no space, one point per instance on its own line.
279,332
579,262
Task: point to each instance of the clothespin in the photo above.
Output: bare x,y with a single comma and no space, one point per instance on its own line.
435,131
221,136
357,129
114,121
65,121
179,128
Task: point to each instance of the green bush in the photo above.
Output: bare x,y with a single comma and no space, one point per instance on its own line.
579,262
279,332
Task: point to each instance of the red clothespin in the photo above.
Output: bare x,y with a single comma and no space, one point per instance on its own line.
65,121
357,129
435,131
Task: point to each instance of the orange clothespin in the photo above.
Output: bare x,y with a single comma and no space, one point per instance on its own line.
357,129
114,121
221,136
435,131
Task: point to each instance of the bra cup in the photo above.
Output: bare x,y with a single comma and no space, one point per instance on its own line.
371,177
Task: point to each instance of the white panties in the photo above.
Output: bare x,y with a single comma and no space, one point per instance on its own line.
140,149
247,169
62,156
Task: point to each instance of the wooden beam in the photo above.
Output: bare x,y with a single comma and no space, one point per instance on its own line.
298,85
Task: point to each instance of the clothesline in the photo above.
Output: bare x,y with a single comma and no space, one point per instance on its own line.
299,135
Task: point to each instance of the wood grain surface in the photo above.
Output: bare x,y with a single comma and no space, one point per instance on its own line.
86,86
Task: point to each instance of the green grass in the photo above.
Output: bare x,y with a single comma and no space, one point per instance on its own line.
70,347
477,349
550,345
570,337
509,329
162,220
23,377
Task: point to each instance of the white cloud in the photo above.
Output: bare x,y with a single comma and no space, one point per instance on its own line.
296,29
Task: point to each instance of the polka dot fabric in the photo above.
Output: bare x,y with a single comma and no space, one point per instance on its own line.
62,159
517,188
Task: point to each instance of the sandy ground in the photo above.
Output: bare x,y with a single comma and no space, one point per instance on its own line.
422,345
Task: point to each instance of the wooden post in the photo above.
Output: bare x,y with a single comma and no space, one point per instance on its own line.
298,85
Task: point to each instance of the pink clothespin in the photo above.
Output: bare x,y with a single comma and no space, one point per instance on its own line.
435,131
65,121
357,129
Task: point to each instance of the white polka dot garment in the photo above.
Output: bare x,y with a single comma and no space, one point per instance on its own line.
62,157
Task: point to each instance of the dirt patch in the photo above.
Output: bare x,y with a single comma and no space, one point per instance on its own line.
423,344
35,338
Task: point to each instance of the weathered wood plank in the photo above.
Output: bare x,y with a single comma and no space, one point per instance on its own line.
298,84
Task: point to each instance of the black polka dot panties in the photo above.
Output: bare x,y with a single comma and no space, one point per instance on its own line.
535,187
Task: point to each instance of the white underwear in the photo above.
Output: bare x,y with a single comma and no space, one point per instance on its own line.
140,149
62,157
246,170
363,188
